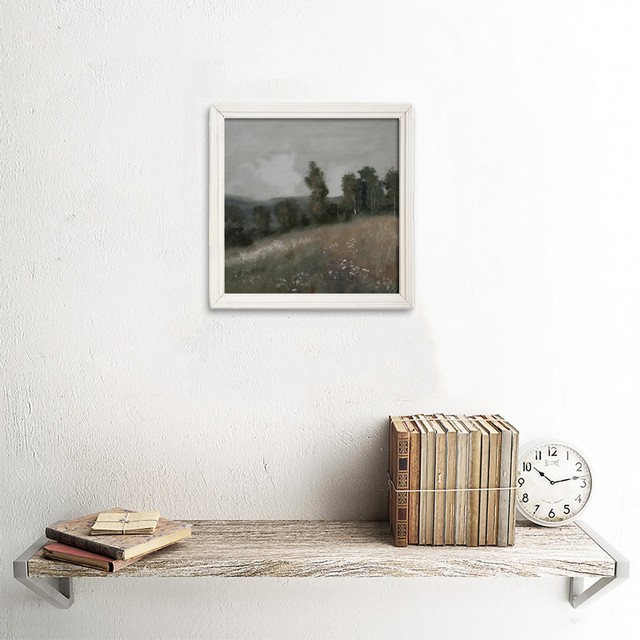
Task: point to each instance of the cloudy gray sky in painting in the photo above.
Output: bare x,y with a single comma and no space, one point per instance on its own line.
269,158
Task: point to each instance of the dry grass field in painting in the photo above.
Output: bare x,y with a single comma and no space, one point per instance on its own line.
360,256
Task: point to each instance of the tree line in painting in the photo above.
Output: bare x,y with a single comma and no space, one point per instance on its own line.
365,193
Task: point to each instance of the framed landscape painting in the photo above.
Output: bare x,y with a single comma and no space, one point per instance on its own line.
311,206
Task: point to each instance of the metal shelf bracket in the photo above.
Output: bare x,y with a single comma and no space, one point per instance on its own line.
57,591
578,595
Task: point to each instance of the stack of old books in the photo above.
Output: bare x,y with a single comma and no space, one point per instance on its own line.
451,480
113,539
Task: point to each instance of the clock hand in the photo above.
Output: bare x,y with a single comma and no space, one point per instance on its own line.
542,474
565,479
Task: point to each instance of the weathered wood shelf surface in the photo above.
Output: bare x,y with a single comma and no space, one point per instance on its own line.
350,549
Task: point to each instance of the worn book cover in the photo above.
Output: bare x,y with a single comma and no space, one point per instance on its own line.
440,465
451,479
414,479
400,481
67,553
462,480
505,482
475,450
77,533
483,493
426,517
423,479
493,493
393,464
515,446
504,464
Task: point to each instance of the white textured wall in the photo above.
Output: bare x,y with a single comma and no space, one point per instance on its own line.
121,386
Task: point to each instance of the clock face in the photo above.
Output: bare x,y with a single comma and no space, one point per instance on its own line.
553,484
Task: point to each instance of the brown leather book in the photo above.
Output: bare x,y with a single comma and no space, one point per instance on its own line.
399,473
414,479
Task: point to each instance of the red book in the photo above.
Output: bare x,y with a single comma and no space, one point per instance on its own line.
65,553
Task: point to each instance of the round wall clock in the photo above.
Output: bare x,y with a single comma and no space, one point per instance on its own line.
553,482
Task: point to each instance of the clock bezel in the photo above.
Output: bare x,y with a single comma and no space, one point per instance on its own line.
524,450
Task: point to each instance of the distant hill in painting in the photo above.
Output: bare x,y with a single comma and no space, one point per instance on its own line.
247,205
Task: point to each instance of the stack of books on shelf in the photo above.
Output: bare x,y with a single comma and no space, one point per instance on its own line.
113,539
451,480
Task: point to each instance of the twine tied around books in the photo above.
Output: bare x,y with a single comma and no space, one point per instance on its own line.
392,486
125,520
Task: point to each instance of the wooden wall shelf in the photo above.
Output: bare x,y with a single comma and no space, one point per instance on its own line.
344,549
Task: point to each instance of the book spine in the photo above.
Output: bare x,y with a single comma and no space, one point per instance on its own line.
414,481
402,509
87,544
401,481
494,483
505,477
484,484
474,485
393,475
462,496
422,524
391,467
450,494
440,485
107,566
515,445
431,466
493,497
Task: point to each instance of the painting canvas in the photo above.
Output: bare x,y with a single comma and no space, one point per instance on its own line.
309,209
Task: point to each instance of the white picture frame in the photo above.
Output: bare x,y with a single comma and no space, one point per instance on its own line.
220,114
